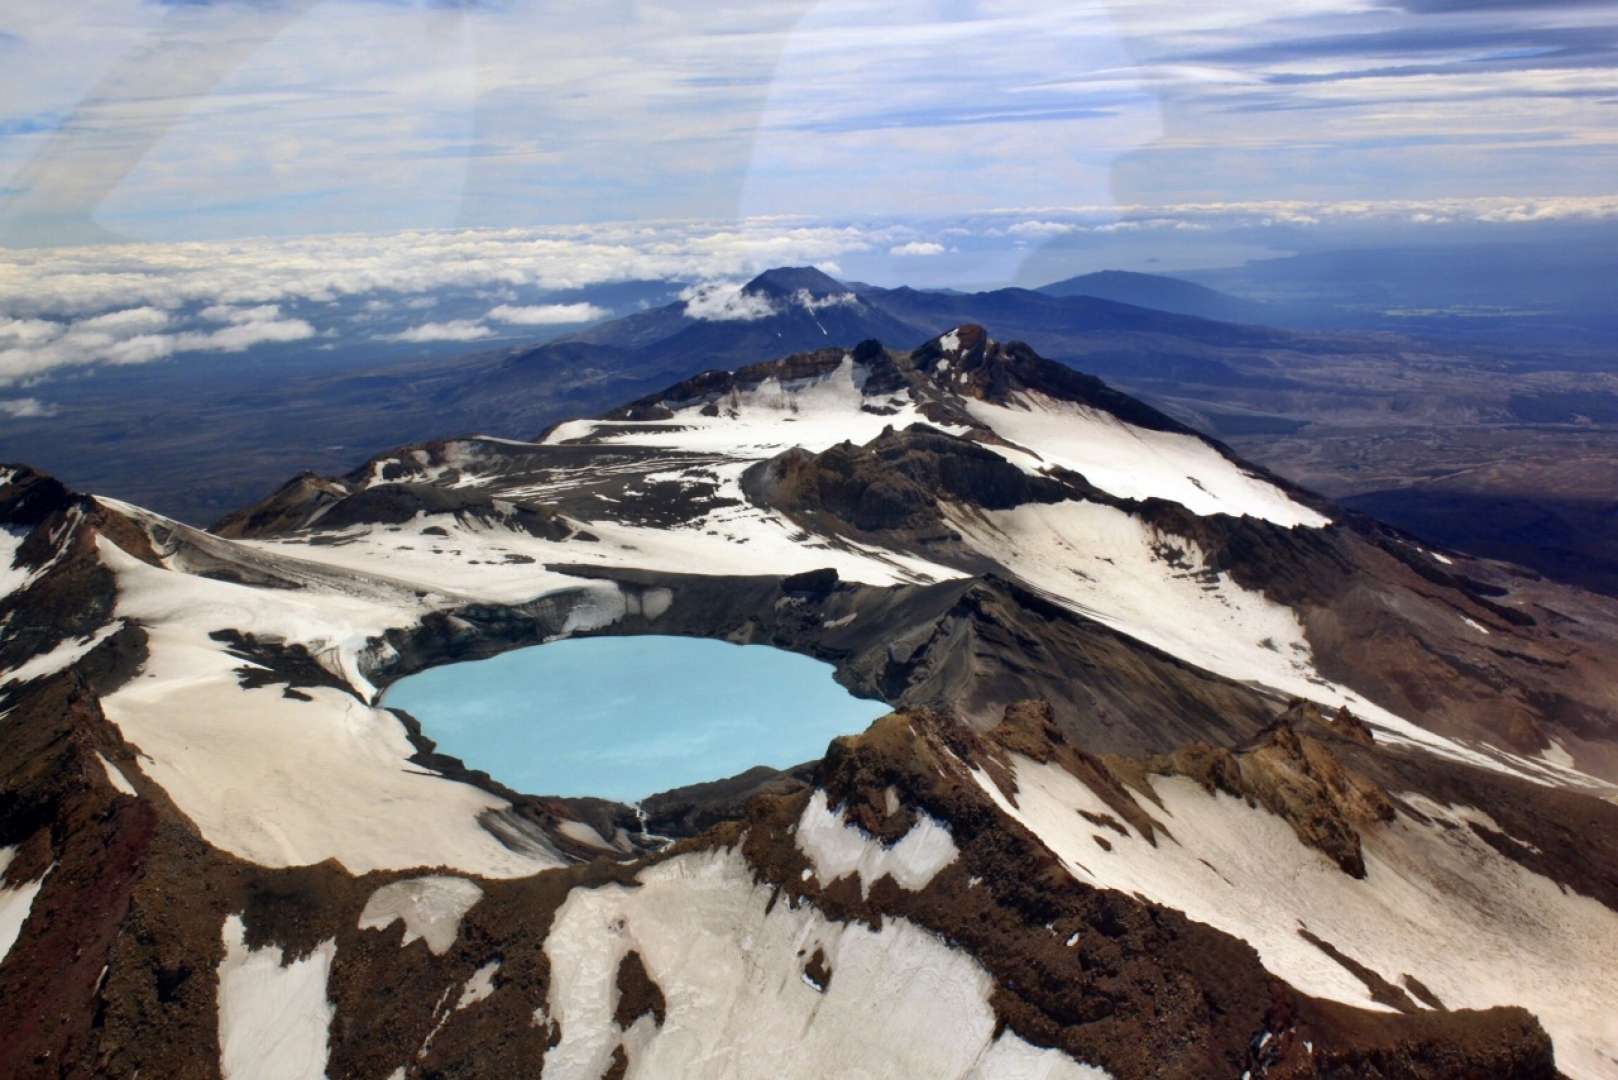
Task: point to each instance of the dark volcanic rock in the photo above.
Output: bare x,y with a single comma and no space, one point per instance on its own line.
994,371
638,995
690,810
286,510
896,481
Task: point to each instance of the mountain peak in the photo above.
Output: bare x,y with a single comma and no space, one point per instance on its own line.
790,280
967,342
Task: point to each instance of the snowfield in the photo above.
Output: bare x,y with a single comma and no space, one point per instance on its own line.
1132,462
58,659
759,422
274,1017
116,777
12,577
1436,903
15,903
277,780
430,907
731,969
837,849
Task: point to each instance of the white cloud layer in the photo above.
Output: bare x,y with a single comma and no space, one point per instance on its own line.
83,280
812,303
135,303
454,330
1042,228
547,314
26,408
722,301
32,347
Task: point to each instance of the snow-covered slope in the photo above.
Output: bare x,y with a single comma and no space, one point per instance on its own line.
1132,462
1438,904
739,1005
1160,589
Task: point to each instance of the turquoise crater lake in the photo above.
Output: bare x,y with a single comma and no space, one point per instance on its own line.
627,717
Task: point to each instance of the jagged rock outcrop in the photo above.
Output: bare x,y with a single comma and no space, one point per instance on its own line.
895,482
1295,777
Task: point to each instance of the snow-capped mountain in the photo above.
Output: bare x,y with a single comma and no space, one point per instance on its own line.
798,309
1189,773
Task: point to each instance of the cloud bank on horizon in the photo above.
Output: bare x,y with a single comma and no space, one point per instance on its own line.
69,308
191,119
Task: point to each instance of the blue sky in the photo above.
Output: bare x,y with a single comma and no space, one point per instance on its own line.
208,120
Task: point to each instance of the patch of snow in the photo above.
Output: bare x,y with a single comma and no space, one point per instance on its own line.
1556,755
15,903
116,777
479,986
597,609
584,834
1436,903
1132,462
274,1016
651,604
1475,625
837,849
950,343
59,659
502,441
729,966
12,577
431,907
